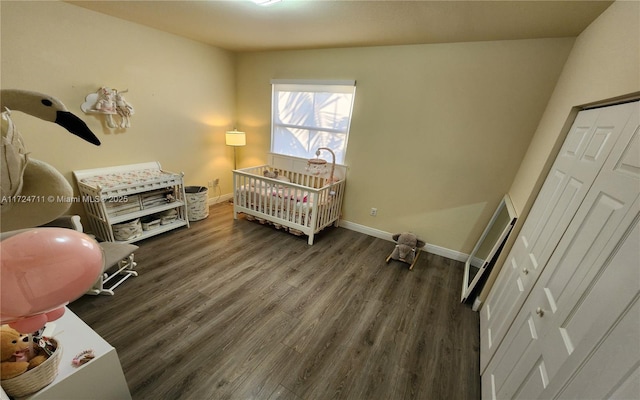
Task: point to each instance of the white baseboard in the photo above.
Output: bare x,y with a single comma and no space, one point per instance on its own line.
220,199
352,226
476,304
430,248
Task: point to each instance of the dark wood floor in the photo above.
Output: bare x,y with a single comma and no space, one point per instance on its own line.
237,310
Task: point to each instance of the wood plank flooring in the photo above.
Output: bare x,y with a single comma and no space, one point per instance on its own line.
237,310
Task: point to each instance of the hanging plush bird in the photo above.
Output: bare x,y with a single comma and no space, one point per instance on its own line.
25,178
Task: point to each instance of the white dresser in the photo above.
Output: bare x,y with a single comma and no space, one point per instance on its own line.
127,194
100,378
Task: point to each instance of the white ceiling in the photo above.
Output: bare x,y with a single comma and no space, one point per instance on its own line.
240,25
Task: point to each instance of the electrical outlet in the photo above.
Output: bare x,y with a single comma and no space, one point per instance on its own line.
373,212
216,182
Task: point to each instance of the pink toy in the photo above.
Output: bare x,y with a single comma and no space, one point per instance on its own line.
43,269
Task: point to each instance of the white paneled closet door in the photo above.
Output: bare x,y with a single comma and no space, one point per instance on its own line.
576,335
585,150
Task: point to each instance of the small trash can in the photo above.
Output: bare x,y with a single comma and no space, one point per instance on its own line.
197,207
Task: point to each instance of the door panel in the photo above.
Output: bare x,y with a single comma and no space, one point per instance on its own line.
582,261
604,328
592,297
497,382
597,226
627,388
519,366
536,380
581,158
584,306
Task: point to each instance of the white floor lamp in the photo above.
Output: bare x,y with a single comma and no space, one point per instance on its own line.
236,139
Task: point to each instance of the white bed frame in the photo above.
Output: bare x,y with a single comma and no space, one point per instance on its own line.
323,203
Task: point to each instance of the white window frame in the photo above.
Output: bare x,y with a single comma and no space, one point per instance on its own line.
323,86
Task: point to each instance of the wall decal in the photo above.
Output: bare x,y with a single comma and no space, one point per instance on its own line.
109,102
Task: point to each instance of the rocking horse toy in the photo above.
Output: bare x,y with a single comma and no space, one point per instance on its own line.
407,249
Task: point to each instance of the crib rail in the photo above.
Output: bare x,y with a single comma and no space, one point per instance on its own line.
305,205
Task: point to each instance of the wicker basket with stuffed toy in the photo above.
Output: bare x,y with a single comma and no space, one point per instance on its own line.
36,378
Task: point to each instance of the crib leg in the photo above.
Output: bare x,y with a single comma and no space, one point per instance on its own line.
310,241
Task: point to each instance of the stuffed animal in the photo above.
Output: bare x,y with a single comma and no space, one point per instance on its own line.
26,177
405,250
270,174
15,353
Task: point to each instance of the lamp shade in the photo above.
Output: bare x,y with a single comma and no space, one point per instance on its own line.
235,138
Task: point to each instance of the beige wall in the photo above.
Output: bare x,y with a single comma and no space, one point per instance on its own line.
438,131
438,134
183,91
604,63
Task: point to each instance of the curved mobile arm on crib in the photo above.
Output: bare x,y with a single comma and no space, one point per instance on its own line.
333,161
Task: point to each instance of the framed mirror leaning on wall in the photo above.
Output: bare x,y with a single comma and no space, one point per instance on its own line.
488,246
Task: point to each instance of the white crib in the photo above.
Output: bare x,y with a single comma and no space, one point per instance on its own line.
303,205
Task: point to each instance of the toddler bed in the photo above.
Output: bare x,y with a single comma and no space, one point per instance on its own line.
296,202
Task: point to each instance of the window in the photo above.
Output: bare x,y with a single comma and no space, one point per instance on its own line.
311,114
